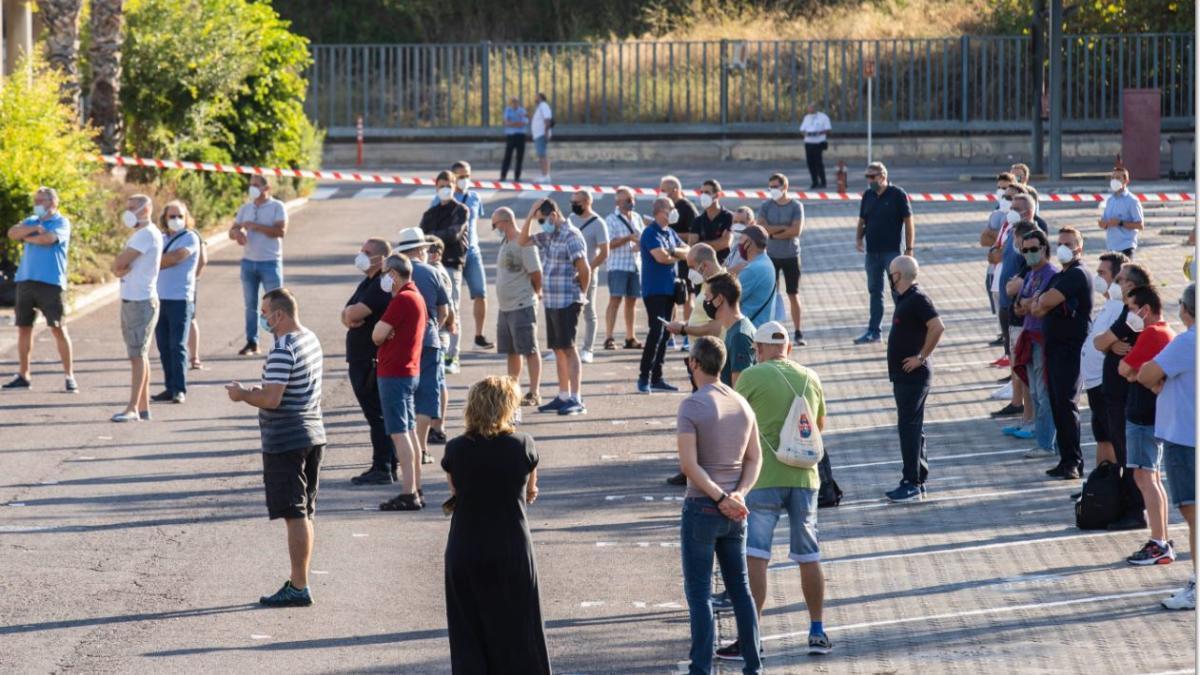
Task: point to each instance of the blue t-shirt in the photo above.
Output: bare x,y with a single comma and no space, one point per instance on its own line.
758,290
435,294
515,115
657,278
1012,264
884,215
1174,419
474,212
178,282
47,264
1126,208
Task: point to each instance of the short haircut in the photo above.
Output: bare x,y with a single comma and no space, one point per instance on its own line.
1137,274
552,203
671,180
461,164
702,253
662,204
1189,300
746,211
1022,167
1041,238
48,192
584,195
709,354
379,246
726,286
1115,260
625,190
1147,296
712,183
877,166
143,201
504,213
400,264
281,300
444,176
779,177
1024,197
541,96
435,246
1076,234
907,266
1006,177
1024,227
1122,170
262,180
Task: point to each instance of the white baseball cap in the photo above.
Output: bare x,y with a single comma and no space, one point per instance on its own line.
771,333
410,238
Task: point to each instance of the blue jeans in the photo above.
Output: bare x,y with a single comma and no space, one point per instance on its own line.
1039,391
171,335
703,532
877,268
265,273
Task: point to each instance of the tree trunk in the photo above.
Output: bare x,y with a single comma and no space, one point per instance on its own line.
104,100
61,19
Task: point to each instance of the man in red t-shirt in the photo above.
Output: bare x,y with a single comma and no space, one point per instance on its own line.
400,334
1143,451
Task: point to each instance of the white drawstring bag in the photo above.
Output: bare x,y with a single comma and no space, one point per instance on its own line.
800,443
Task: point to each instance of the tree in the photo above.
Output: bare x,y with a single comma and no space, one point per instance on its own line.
61,18
105,59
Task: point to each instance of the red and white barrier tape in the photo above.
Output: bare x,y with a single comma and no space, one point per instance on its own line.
384,179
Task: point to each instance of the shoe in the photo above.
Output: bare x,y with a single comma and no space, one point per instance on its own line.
721,602
687,345
373,477
733,652
1009,411
531,398
1003,393
586,356
1076,496
1065,473
435,436
554,405
482,343
632,343
453,367
395,474
288,596
1153,554
643,386
427,457
17,382
610,344
145,416
998,342
71,386
1131,521
409,502
1184,598
1023,434
1001,362
798,340
250,349
819,644
660,385
573,407
867,337
678,480
127,416
162,396
549,355
906,492
1040,453
179,397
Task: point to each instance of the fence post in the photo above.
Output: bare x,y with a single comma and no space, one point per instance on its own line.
966,67
485,100
724,85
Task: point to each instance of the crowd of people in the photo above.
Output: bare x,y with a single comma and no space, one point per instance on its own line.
749,434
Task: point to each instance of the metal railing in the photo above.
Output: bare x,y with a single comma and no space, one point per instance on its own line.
727,86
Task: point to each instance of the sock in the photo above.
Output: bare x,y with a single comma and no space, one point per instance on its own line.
1160,542
816,628
564,396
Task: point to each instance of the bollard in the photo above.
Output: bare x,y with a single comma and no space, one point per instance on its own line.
359,137
841,176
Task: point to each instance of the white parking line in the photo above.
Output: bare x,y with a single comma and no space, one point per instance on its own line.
425,193
322,193
372,193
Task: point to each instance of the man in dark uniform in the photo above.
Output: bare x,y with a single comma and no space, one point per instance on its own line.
885,214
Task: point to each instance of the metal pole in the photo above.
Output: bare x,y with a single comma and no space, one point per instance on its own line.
870,86
724,86
485,99
1056,81
1037,37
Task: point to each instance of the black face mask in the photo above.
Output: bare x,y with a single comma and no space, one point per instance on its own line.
577,209
687,364
892,282
710,309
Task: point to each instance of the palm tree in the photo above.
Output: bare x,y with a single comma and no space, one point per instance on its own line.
104,100
61,19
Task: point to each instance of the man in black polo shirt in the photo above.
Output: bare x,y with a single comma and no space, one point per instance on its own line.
916,330
884,214
1066,311
713,225
359,317
680,220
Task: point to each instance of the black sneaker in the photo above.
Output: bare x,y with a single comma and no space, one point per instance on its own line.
798,340
819,644
482,342
250,349
409,502
373,477
17,382
1009,410
288,596
677,480
436,436
733,652
1064,472
661,385
998,342
162,396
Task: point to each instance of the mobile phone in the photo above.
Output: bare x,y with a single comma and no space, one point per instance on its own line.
663,320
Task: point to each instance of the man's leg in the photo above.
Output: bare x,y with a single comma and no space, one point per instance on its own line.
588,342
456,281
63,341
654,335
697,536
514,366
366,391
910,422
570,359
477,287
1156,513
509,148
875,273
1062,369
630,305
405,454
519,141
534,361
758,582
162,339
821,165
300,546
143,370
250,296
731,558
194,341
25,349
610,316
563,370
812,585
794,301
1040,392
811,153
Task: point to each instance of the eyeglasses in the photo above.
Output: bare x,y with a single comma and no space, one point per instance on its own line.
1032,250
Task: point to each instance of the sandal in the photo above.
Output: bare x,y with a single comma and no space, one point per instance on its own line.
610,344
631,343
402,503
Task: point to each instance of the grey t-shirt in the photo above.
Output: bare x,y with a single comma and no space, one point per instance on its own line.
722,422
435,294
260,247
595,232
777,215
514,264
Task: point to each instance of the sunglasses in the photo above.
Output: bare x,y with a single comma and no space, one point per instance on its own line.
1032,250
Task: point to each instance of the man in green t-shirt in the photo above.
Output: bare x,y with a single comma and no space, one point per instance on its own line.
770,387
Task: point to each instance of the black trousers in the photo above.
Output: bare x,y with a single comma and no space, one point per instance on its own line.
655,349
910,423
816,163
1063,383
513,143
366,390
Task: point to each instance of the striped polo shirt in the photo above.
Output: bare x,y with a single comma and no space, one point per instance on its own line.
295,362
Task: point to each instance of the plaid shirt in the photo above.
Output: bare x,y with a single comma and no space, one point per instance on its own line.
560,249
624,258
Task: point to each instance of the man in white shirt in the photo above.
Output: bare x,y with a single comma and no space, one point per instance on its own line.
539,128
259,227
137,268
624,267
815,126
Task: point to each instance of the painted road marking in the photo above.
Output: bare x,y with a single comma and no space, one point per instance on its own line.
372,193
359,535
322,193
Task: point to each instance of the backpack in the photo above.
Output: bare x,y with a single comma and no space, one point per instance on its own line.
1100,503
800,443
829,494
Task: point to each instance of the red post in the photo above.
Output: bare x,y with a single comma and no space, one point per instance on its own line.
358,162
841,176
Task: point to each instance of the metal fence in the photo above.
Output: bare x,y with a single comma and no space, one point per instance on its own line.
728,86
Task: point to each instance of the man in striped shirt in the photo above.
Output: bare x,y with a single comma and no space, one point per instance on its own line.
293,435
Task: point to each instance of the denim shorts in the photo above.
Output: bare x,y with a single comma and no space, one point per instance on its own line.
427,399
473,272
765,506
1142,449
396,398
622,284
539,145
1180,463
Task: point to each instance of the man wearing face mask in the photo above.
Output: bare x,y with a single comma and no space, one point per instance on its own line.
362,311
759,279
176,290
997,227
42,284
1092,359
566,276
466,261
702,264
680,219
782,216
259,228
518,288
1029,354
595,238
884,214
1065,307
712,225
742,217
662,251
137,268
624,267
1122,216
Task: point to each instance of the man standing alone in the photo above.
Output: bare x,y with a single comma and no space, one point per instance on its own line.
515,121
259,227
884,214
815,126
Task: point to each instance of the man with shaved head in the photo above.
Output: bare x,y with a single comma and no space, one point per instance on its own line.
518,289
595,238
362,311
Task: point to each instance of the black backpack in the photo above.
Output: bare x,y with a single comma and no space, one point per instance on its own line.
829,494
1101,502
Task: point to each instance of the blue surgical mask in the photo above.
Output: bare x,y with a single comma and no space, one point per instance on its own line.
547,227
39,210
263,324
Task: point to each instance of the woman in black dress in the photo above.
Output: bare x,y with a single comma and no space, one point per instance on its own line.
493,611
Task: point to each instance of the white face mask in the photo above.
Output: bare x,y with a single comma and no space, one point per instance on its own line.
1135,322
362,261
706,200
129,218
695,277
1004,204
255,192
673,216
999,194
463,184
176,223
499,233
1065,254
1099,285
386,283
1115,184
1012,218
776,193
445,194
1115,291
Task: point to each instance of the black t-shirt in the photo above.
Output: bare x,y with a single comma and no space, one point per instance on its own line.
687,214
1115,386
359,346
712,229
884,215
1068,323
1140,405
914,309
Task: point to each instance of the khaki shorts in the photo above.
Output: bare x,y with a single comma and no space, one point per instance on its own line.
516,331
138,318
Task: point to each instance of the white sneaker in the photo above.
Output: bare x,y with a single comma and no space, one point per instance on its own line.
1003,393
586,356
1040,453
549,355
1184,598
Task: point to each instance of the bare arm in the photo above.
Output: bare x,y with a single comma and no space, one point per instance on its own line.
987,238
584,272
443,314
353,315
267,397
381,333
910,235
1047,301
1152,377
531,487
860,234
601,255
535,280
173,258
751,461
276,230
124,261
723,243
